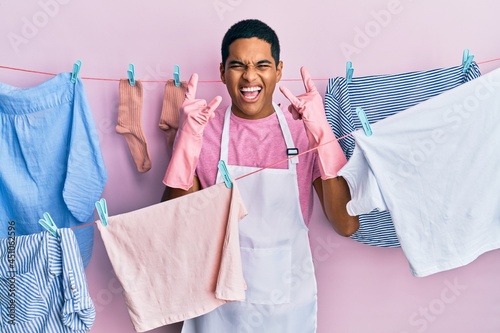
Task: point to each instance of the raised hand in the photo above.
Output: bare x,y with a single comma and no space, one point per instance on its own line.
194,116
310,108
195,113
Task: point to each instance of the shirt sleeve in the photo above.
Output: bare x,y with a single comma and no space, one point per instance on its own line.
365,191
86,173
78,312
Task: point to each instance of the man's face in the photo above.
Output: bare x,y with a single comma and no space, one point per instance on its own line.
250,75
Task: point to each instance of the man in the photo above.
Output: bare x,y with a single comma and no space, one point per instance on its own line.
250,134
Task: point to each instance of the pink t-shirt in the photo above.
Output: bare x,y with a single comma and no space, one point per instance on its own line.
258,143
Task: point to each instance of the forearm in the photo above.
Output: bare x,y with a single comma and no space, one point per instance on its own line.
172,193
333,191
334,195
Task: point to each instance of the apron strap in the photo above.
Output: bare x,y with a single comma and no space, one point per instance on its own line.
224,144
291,149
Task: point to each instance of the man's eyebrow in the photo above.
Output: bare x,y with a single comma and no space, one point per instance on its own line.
262,62
236,62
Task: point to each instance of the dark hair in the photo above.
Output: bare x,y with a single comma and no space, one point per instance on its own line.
248,29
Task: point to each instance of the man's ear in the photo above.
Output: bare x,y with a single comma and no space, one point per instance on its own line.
222,72
279,71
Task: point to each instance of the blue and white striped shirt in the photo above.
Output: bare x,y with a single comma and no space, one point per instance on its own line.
43,286
381,96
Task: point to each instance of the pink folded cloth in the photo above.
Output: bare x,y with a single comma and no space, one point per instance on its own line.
178,259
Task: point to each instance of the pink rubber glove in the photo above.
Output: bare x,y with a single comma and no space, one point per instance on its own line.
309,107
194,116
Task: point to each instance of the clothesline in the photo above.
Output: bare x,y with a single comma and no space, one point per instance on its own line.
207,81
256,171
290,157
164,81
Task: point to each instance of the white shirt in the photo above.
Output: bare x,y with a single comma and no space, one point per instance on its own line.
436,168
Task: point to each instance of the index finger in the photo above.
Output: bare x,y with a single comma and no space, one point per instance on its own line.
214,103
306,78
290,96
191,87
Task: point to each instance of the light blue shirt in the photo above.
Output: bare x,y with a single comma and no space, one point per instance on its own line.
50,158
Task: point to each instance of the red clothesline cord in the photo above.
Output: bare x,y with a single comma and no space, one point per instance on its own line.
275,163
250,173
205,81
289,158
163,81
117,80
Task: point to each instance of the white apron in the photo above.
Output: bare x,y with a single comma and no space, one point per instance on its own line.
275,251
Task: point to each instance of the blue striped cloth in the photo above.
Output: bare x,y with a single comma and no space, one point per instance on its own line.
43,286
381,96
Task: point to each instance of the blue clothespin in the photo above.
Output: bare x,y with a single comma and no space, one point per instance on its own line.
225,174
364,121
131,74
102,211
48,224
466,60
177,76
76,70
349,70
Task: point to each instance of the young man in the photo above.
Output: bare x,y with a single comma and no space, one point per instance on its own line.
249,134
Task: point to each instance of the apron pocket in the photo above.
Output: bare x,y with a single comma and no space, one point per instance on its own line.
266,272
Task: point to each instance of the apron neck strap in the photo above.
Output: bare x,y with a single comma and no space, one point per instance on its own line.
284,130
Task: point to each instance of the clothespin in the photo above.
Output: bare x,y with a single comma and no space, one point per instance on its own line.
364,121
102,211
48,224
349,70
225,174
466,60
76,70
177,76
131,74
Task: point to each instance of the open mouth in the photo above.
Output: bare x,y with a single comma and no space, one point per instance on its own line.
250,93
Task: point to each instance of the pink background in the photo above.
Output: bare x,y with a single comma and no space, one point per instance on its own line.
361,288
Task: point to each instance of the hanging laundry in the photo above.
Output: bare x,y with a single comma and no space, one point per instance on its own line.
130,123
43,286
172,102
178,259
381,96
51,159
435,168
